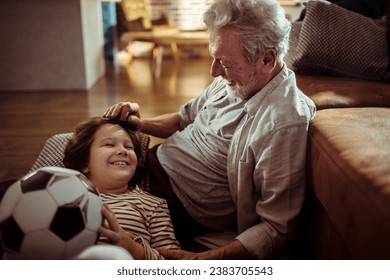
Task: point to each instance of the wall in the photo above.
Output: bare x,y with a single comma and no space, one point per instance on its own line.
93,40
50,44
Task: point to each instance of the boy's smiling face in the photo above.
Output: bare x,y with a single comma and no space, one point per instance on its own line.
112,159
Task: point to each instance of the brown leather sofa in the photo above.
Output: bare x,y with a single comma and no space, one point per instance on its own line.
347,210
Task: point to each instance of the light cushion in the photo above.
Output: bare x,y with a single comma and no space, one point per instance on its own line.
52,152
337,41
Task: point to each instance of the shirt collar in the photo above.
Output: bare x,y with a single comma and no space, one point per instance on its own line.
252,105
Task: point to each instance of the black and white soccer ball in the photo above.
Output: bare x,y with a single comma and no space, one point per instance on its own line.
52,213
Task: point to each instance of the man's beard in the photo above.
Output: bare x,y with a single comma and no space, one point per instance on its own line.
244,91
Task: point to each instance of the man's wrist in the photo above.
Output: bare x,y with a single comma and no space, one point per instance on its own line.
232,251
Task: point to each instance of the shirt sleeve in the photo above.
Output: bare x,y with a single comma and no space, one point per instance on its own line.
188,111
279,178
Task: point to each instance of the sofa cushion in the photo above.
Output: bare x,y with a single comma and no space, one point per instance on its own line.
337,41
348,171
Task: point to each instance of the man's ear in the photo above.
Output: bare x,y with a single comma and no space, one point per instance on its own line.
266,61
269,57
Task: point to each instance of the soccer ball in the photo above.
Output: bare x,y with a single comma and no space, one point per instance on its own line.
52,213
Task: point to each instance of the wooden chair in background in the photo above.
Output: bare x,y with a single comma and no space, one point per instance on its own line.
134,24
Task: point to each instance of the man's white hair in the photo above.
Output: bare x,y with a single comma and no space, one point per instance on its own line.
260,24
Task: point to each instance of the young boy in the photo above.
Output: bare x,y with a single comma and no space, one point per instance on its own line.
106,151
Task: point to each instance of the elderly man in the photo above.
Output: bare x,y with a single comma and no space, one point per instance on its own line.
234,156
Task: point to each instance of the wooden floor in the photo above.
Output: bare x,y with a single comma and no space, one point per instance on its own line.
29,118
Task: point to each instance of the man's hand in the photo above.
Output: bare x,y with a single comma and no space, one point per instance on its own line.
124,111
232,251
175,254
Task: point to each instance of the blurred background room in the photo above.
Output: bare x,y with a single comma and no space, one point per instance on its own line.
64,61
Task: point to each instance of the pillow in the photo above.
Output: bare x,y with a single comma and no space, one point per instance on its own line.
293,44
341,42
53,153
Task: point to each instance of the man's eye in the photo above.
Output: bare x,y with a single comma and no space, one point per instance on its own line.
109,145
129,147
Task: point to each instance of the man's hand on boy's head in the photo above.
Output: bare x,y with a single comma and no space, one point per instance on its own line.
124,111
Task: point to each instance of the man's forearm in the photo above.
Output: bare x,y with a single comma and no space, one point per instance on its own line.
162,126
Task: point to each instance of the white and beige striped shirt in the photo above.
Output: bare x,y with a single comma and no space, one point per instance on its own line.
146,217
